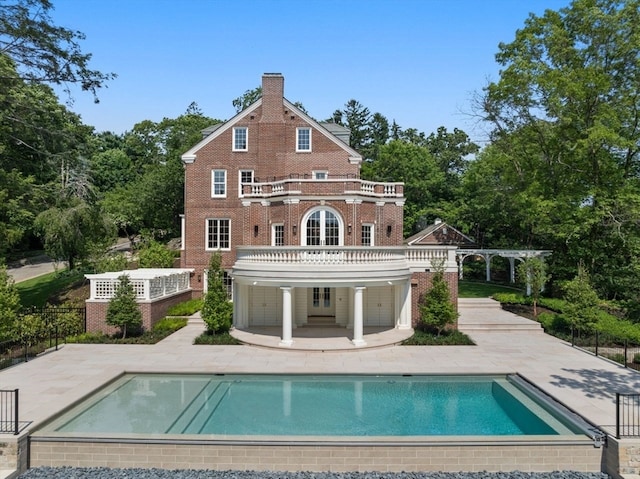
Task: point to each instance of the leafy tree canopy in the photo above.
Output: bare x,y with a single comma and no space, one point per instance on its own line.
43,52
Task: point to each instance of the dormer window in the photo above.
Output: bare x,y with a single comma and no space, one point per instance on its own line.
240,138
320,175
303,143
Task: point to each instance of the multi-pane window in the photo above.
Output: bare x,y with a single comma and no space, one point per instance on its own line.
303,142
218,233
244,176
367,235
278,235
320,175
227,280
219,183
240,135
322,228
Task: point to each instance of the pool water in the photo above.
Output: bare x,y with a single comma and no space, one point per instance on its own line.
318,405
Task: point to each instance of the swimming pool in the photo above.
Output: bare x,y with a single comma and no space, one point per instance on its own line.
315,405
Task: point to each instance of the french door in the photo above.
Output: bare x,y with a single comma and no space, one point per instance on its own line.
323,229
322,302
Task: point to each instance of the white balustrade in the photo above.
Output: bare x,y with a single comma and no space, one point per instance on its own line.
148,284
307,186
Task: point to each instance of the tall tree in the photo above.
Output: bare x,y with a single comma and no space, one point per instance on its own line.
356,117
404,162
248,98
42,51
565,116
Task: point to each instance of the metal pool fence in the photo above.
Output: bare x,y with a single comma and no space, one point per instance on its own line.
9,412
622,351
627,415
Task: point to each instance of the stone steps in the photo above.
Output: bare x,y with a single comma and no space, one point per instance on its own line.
478,315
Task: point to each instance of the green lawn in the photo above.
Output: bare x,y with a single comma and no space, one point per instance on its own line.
473,289
36,291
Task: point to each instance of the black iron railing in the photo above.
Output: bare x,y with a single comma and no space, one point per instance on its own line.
9,412
627,415
620,350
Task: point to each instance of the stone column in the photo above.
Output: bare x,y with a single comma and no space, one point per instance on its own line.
286,316
358,316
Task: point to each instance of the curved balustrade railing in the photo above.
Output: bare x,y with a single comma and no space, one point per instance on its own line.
341,254
319,255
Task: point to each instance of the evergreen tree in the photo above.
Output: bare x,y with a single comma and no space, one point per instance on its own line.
437,311
123,311
582,309
217,310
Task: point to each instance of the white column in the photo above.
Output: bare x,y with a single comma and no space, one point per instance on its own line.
237,321
358,316
404,300
286,316
182,232
487,260
512,270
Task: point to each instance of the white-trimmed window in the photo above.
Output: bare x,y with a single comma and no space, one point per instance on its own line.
320,174
367,234
218,233
303,139
240,138
227,280
277,234
244,176
218,183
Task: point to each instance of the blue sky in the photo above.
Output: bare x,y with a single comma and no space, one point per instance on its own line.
417,62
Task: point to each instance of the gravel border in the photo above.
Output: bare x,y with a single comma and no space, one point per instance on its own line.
107,473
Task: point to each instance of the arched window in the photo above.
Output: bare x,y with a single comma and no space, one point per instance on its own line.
322,227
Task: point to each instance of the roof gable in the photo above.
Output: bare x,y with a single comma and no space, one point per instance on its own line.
439,234
216,130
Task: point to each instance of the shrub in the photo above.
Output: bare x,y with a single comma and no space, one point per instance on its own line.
111,262
89,338
221,339
169,325
509,298
123,311
437,311
186,308
636,358
217,311
447,338
155,255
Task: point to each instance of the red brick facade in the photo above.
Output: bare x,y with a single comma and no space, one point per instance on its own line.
152,312
272,166
271,154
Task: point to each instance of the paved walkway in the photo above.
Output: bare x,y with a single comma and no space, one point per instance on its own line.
585,383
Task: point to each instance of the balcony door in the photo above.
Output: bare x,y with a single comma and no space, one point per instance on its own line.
322,302
322,228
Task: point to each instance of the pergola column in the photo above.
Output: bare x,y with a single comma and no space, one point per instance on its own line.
358,316
512,269
487,260
286,316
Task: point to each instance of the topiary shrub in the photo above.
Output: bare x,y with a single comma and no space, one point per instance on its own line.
217,310
123,311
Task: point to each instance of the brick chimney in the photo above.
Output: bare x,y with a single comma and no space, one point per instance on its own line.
272,95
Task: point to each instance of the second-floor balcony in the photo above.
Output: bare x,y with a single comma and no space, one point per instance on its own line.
338,263
304,185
